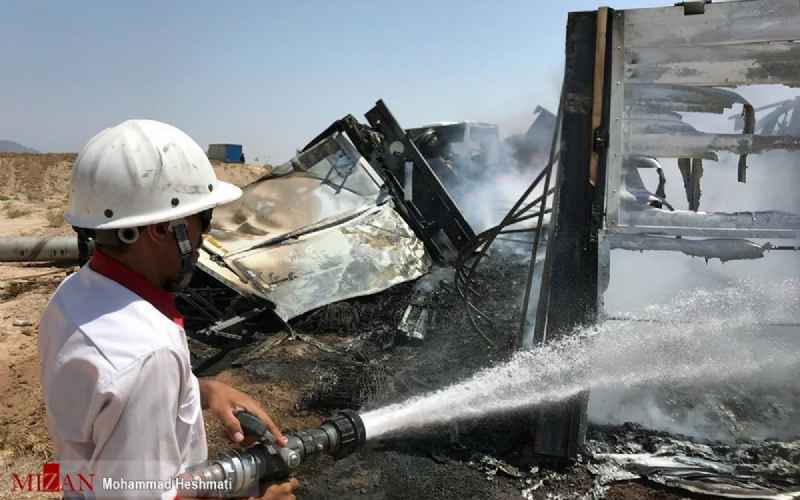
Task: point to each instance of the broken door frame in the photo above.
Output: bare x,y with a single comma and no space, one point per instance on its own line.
569,287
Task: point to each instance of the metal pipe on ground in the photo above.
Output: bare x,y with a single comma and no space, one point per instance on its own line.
39,249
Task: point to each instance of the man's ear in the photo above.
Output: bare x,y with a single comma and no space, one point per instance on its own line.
158,232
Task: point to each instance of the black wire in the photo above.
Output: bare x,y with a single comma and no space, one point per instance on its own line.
468,261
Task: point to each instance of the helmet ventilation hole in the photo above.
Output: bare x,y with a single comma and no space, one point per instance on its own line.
175,202
109,213
128,235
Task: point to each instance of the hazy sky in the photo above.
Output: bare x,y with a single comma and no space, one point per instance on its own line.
271,75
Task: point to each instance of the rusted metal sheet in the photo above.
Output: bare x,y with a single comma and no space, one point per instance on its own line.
726,65
721,24
361,256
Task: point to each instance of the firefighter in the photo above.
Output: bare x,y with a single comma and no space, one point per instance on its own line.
122,402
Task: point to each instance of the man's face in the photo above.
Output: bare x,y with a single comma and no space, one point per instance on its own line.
196,226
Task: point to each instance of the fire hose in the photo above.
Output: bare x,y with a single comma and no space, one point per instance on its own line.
243,470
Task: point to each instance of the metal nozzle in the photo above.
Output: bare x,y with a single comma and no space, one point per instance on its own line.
339,436
350,431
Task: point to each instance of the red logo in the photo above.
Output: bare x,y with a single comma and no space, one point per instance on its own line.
50,479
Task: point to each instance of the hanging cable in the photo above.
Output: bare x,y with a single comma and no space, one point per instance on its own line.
523,210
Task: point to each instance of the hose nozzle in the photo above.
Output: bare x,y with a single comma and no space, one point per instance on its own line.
339,436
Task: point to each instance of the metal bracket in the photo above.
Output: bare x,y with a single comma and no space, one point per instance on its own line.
693,8
748,128
600,139
420,196
230,329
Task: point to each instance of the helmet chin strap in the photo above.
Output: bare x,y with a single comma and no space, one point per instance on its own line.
180,231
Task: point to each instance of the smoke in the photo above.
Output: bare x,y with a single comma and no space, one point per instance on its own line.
764,405
485,201
485,179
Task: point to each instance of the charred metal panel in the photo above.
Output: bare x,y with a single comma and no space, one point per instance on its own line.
720,24
666,63
674,98
682,144
318,187
359,256
366,140
764,224
362,256
420,195
317,231
418,192
735,64
210,263
722,249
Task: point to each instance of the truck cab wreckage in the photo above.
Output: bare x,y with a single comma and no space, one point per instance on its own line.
358,210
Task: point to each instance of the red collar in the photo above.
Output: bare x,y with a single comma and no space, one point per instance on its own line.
113,269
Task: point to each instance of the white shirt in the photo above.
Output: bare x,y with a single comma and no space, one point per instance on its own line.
122,402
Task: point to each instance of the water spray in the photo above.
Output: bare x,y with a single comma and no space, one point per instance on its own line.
702,337
243,470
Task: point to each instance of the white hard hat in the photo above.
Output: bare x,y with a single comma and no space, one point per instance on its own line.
142,172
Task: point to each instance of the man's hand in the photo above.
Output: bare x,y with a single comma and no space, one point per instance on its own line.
223,401
283,491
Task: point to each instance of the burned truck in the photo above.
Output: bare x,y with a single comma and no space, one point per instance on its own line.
358,210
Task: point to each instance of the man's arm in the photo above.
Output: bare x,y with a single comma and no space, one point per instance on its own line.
223,401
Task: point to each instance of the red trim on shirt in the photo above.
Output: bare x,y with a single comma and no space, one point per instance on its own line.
111,268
